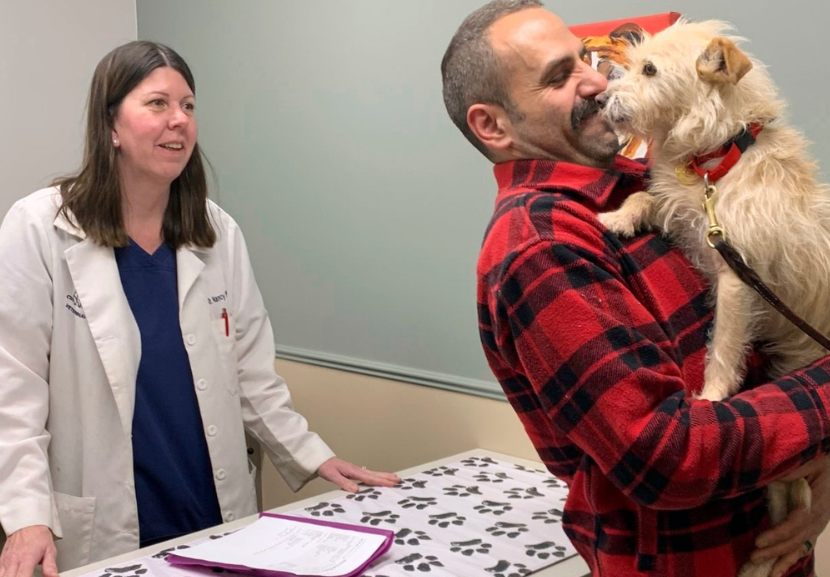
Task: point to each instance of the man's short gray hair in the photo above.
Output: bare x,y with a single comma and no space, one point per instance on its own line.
470,68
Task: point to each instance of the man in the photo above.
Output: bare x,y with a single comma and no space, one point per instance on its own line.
599,343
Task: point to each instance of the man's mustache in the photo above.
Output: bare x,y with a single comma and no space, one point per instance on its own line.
582,110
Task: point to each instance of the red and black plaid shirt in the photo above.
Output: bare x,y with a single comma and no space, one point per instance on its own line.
598,344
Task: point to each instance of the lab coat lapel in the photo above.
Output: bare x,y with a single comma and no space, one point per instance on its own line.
98,284
188,268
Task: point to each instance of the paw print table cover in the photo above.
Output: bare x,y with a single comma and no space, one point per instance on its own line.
474,518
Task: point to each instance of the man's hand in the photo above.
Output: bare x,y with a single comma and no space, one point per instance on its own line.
26,548
786,541
344,474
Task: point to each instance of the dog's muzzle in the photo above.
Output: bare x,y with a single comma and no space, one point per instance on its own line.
611,108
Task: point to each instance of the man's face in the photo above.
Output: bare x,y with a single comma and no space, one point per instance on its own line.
552,89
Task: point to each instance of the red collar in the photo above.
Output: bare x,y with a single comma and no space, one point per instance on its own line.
730,153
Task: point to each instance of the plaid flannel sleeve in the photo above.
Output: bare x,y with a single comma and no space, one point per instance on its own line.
604,372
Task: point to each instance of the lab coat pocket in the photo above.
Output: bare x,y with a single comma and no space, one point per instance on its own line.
77,515
223,331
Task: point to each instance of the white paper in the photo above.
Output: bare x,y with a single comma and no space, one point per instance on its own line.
276,544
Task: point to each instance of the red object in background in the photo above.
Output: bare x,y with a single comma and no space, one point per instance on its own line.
651,24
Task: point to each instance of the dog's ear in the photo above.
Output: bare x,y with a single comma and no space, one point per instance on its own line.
722,62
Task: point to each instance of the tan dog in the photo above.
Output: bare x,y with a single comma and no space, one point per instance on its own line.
691,89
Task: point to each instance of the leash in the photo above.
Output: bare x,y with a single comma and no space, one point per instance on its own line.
716,238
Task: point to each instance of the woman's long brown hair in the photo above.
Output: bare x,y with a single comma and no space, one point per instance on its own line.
91,199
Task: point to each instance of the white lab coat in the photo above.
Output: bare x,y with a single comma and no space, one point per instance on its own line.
69,354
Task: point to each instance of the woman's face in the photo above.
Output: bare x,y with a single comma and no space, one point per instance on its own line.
155,130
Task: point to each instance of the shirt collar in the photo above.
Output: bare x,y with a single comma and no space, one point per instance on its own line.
593,184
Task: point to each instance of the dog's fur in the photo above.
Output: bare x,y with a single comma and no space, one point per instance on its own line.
704,92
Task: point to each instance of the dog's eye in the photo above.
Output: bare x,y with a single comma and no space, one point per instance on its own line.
649,69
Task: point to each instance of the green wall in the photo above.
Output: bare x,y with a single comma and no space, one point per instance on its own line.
362,205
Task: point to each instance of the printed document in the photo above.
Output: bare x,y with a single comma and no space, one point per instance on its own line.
274,544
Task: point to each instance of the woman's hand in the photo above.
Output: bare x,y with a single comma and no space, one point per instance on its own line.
344,474
27,547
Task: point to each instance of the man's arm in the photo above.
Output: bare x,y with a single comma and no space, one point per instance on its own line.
606,375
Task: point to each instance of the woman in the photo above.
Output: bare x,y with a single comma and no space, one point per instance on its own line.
134,346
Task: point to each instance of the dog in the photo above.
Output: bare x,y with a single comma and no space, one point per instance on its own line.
691,89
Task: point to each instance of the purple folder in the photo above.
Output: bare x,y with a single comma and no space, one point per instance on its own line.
389,535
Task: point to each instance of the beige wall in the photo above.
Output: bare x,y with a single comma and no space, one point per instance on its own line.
389,425
48,51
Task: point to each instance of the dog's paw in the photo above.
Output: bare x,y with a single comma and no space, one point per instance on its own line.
760,569
710,394
622,222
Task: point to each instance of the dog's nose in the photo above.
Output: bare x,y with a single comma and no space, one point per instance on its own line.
615,73
602,99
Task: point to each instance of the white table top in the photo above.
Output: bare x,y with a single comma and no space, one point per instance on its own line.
572,567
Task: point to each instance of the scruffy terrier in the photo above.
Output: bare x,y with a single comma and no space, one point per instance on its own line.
695,94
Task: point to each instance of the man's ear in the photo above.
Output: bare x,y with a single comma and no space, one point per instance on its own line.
722,62
489,122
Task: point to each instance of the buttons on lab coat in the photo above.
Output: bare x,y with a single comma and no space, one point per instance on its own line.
220,474
229,516
212,430
190,339
201,384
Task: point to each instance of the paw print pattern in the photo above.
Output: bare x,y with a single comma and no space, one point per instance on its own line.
485,477
444,520
419,503
325,509
164,552
545,550
424,564
469,547
410,483
493,507
524,469
128,571
375,519
461,491
364,494
507,569
479,462
410,537
441,471
553,483
520,493
511,530
548,517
